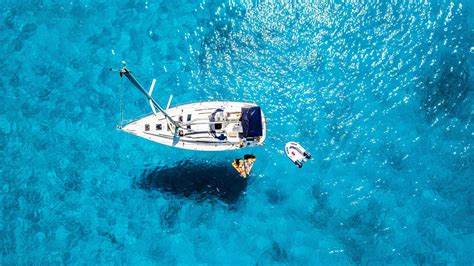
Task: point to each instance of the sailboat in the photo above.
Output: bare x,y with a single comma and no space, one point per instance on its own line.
200,126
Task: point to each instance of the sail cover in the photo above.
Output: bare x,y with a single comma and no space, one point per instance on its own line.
252,121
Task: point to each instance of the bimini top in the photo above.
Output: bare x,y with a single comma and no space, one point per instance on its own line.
252,121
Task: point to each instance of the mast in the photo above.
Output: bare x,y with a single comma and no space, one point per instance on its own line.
134,81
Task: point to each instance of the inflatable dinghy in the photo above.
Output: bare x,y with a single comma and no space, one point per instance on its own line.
296,153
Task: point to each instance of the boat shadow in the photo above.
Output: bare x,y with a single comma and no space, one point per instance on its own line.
199,181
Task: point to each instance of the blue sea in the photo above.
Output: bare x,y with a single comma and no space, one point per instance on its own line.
380,92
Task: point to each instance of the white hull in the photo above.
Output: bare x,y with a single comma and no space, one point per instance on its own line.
207,126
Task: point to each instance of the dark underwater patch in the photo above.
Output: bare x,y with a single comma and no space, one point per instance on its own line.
358,231
169,216
322,212
27,31
446,88
275,253
278,253
275,196
195,180
73,183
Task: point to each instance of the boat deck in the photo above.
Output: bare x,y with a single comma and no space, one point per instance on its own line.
206,126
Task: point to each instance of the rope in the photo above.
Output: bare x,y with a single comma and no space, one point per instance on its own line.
121,103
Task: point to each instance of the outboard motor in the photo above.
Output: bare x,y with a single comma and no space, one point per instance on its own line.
299,164
307,155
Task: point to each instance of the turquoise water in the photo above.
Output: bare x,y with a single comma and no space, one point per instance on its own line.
380,93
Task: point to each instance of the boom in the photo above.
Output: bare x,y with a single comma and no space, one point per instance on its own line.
153,103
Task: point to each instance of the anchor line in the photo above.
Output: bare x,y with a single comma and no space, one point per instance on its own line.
121,103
